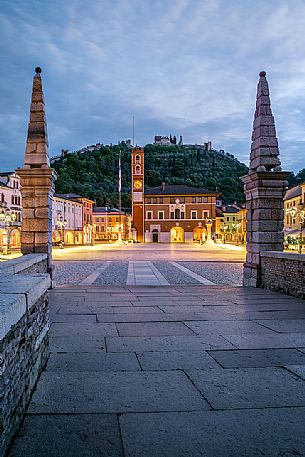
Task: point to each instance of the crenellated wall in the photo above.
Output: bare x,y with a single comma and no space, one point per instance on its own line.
24,329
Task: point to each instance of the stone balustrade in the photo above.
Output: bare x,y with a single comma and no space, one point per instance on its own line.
283,272
24,329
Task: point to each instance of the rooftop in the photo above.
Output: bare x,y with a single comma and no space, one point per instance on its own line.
73,196
231,209
106,209
293,192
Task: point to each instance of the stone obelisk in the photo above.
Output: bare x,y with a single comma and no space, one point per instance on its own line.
37,179
264,187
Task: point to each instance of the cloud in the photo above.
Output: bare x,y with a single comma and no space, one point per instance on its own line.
188,67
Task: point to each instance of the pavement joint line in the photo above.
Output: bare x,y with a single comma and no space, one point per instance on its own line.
93,276
120,433
123,413
198,390
193,275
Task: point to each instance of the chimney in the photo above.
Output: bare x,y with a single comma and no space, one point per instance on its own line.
163,186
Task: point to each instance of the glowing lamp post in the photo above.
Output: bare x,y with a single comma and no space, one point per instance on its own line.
90,226
6,217
302,223
61,224
224,229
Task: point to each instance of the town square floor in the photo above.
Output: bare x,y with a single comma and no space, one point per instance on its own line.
169,370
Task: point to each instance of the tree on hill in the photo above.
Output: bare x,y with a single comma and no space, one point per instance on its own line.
94,174
295,179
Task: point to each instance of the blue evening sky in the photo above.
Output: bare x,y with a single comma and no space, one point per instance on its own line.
185,67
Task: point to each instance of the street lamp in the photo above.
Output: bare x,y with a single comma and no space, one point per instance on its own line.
302,223
224,229
90,226
239,236
61,223
7,217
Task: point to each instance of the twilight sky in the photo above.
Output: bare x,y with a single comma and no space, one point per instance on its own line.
186,67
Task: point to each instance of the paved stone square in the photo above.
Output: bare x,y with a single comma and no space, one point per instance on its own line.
169,371
149,264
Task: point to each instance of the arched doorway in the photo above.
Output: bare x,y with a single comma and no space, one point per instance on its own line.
199,234
155,236
56,236
15,238
177,235
69,238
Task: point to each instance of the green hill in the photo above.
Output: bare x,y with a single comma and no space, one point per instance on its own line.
95,174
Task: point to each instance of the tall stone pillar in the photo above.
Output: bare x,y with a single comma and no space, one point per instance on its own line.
264,186
37,180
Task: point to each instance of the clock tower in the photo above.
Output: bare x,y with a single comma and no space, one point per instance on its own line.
137,182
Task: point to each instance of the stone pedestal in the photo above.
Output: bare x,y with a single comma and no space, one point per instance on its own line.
264,191
37,187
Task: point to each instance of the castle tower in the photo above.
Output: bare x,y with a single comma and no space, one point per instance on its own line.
137,182
264,186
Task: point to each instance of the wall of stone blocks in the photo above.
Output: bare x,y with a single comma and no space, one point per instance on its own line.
24,326
283,272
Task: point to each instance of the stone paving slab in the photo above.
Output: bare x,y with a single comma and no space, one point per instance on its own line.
258,358
82,330
78,362
75,344
244,433
170,383
176,360
232,308
153,329
278,340
84,435
146,317
286,326
156,301
135,310
280,314
166,343
249,387
92,308
228,327
71,318
115,392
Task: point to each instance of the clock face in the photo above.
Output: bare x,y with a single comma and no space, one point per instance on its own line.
138,184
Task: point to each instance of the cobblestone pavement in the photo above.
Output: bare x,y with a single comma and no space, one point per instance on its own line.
173,274
73,272
78,272
220,273
115,273
169,371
